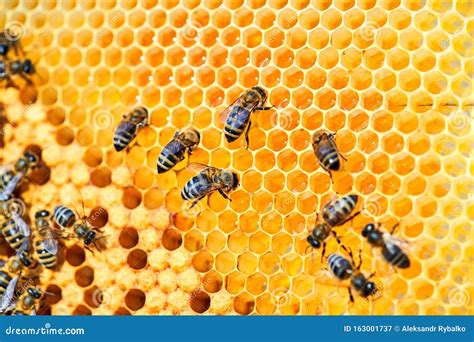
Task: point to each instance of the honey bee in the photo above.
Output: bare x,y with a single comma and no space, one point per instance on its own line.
15,231
237,115
22,68
208,180
46,246
326,152
174,151
390,246
334,213
11,179
344,269
128,128
12,270
81,228
28,302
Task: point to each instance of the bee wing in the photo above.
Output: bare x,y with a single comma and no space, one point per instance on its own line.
225,112
11,186
391,240
21,224
7,299
198,167
50,243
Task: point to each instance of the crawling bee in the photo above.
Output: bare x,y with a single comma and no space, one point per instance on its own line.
128,128
11,179
335,213
326,152
15,231
237,115
174,151
12,270
22,68
344,269
46,245
28,302
390,246
82,230
208,180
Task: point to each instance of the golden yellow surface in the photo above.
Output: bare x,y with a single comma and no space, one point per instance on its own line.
367,69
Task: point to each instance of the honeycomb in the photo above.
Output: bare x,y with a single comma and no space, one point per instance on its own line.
393,78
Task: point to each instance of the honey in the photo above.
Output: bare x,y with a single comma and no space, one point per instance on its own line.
380,74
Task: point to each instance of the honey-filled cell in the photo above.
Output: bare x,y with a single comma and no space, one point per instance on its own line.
390,79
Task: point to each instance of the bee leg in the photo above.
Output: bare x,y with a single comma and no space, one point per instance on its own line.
371,275
340,243
196,201
323,252
394,227
89,249
351,297
360,259
350,218
27,79
247,135
224,194
330,176
264,108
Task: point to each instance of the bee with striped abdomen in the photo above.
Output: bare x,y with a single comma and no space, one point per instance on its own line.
390,246
28,302
7,291
64,216
45,245
173,152
344,269
208,180
10,179
82,230
326,151
128,128
334,213
16,232
237,115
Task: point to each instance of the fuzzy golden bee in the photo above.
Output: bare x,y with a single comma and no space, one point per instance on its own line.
207,181
326,151
128,128
45,243
237,115
174,151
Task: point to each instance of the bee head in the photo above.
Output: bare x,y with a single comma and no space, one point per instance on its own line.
42,213
28,66
4,49
369,289
34,292
31,157
313,242
369,228
89,237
